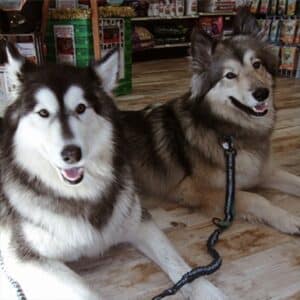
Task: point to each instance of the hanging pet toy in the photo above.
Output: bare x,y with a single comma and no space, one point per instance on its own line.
222,225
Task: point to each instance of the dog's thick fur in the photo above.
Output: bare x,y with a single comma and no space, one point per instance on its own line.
66,188
175,147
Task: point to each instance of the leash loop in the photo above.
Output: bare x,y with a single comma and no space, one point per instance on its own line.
222,225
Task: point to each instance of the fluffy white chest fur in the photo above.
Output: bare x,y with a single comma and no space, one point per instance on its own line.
67,238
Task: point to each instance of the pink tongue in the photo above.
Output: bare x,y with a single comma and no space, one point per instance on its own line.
261,107
73,173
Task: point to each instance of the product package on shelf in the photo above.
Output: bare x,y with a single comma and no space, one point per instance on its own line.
298,68
69,36
212,25
291,7
171,8
297,35
265,25
66,3
264,7
6,90
273,7
288,31
289,61
116,32
165,34
284,34
217,5
179,6
281,7
116,11
12,5
255,6
142,39
29,45
274,31
191,7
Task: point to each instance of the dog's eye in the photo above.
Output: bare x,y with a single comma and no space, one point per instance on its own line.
80,109
256,65
44,113
230,75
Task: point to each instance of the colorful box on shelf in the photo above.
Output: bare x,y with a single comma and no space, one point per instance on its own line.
116,32
70,40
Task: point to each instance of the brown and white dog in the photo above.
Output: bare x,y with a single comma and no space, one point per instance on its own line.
175,147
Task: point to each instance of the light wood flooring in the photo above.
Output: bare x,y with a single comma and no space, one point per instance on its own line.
259,263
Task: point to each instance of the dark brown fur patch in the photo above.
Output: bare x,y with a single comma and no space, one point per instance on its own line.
146,216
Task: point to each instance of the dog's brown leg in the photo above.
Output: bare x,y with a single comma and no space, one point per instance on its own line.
283,181
250,206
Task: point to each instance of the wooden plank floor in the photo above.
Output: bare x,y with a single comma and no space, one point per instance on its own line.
259,263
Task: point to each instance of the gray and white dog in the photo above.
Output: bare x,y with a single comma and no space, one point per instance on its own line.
177,153
66,186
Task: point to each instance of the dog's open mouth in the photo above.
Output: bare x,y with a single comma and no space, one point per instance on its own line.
258,110
72,175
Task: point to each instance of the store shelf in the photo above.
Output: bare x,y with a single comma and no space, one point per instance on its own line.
163,18
220,13
164,46
171,45
200,14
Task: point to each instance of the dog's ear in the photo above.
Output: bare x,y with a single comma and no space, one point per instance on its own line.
107,69
201,50
245,23
13,62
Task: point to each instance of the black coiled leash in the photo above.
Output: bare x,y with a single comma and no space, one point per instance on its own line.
230,153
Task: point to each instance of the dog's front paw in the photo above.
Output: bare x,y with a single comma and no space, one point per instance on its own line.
202,289
288,224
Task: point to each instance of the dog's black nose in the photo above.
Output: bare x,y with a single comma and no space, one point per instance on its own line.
261,94
71,154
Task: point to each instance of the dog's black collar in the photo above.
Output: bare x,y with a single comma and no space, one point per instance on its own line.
247,109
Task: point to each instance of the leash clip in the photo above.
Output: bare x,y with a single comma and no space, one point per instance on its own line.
227,144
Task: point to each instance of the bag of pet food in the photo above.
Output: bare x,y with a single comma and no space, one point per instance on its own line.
274,7
179,7
298,67
254,6
288,58
274,31
264,7
297,35
281,9
291,7
288,31
265,25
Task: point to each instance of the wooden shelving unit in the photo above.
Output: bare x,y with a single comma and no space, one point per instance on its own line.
177,45
200,14
150,21
163,18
